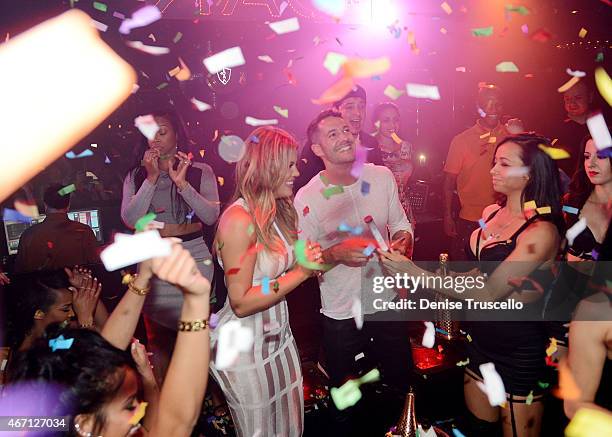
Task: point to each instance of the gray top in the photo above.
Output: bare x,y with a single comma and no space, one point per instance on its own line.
157,198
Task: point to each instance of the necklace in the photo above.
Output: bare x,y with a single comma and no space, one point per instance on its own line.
495,236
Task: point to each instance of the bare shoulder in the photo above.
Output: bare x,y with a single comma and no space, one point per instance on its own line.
235,223
489,210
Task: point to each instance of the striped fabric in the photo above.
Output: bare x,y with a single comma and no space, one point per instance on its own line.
264,387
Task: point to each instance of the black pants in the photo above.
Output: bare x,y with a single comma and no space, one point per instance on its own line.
384,345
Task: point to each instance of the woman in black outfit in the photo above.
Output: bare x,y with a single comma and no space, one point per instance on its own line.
514,243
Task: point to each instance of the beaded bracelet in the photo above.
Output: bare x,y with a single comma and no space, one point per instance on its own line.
193,325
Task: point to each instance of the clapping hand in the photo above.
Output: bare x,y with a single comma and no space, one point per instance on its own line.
178,176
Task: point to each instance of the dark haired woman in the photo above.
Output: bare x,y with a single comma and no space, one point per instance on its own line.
94,380
517,243
183,196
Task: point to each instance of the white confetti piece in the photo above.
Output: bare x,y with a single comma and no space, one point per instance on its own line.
226,59
575,73
575,230
493,385
429,337
100,26
265,58
132,249
423,91
142,17
431,432
285,26
252,121
233,339
200,106
599,131
333,62
518,171
151,50
335,8
357,313
147,125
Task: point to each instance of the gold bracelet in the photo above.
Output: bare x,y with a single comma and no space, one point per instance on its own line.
138,291
193,325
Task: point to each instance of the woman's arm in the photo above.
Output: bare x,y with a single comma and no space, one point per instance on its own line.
134,206
537,244
204,203
239,263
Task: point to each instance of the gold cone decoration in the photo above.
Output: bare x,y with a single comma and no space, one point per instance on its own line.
407,424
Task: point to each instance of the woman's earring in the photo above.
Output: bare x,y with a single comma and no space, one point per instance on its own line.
81,433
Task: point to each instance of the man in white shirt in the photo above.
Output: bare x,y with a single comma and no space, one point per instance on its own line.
330,208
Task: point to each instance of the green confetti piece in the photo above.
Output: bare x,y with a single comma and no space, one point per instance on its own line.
177,37
483,31
463,363
282,112
67,190
100,6
522,10
162,85
143,221
324,179
349,394
251,229
543,384
599,57
506,67
336,189
529,399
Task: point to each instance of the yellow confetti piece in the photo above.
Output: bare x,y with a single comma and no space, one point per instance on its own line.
529,399
392,92
395,138
528,206
443,31
469,338
362,68
567,85
486,134
492,140
281,111
552,347
604,84
174,71
202,153
582,32
139,413
446,8
554,152
220,180
588,422
184,73
554,141
544,210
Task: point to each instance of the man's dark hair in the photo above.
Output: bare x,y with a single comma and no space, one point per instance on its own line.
54,199
313,127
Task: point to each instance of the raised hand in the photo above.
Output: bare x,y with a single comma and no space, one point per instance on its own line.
85,299
178,176
151,164
141,358
77,276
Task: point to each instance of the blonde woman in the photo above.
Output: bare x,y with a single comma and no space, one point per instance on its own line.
254,241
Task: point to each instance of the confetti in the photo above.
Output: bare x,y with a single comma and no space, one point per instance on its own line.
285,26
528,206
582,32
482,224
139,413
333,62
599,131
329,192
423,91
299,249
83,154
429,337
199,105
231,148
106,160
27,208
142,17
604,84
233,271
252,121
552,347
541,35
305,211
60,343
518,171
369,250
118,15
443,31
521,10
100,26
162,85
181,72
220,180
482,31
335,8
151,50
525,29
265,285
202,151
132,249
365,188
396,138
363,68
462,363
570,209
429,433
67,190
457,433
544,210
265,58
334,93
493,386
575,230
226,59
554,152
506,67
567,85
543,384
576,73
147,126
143,221
392,92
446,8
10,215
177,37
460,69
282,112
233,339
357,230
357,313
349,394
100,6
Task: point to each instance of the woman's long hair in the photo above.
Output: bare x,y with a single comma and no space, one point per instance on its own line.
543,186
179,206
261,171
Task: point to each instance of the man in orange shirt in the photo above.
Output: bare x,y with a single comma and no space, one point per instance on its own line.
467,167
